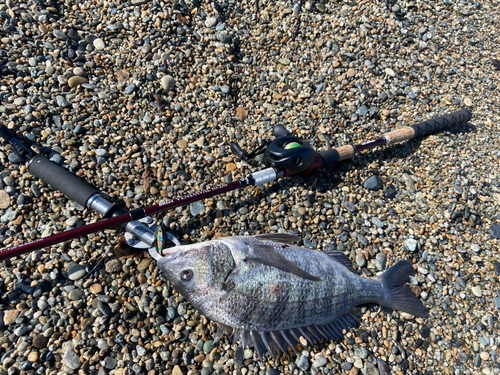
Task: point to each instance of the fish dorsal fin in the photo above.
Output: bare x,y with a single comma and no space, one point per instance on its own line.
269,256
342,259
279,237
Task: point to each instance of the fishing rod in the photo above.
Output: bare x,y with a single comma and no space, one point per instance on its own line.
287,155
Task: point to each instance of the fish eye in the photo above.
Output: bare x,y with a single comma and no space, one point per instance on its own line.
186,275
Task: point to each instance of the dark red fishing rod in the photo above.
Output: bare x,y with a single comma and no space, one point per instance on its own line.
288,155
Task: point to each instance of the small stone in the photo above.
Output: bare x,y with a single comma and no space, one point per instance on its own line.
373,183
96,288
177,370
390,193
496,300
71,359
10,317
114,266
411,244
33,356
230,167
303,363
182,144
76,81
370,369
76,272
196,208
4,200
320,361
211,21
102,344
130,89
349,206
462,357
477,291
390,72
381,261
248,353
99,44
361,352
40,341
75,294
167,83
208,346
468,102
362,110
484,356
494,229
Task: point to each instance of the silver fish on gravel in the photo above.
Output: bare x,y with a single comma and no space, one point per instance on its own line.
275,295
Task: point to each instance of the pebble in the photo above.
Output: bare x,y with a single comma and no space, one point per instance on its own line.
494,230
320,361
167,83
411,244
71,359
99,44
114,266
477,291
303,363
4,200
76,272
349,206
76,81
373,183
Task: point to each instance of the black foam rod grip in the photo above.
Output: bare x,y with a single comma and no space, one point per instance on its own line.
60,179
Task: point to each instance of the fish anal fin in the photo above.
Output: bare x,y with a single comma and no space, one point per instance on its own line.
269,256
221,330
342,259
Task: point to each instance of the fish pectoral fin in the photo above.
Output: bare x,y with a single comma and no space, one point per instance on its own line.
342,259
267,255
279,237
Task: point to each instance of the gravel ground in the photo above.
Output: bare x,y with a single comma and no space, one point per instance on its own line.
142,98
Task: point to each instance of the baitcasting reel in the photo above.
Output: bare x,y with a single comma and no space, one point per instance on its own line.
286,152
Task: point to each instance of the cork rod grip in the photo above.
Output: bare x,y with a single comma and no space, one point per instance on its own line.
427,127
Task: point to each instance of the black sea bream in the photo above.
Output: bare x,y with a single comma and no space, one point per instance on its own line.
272,293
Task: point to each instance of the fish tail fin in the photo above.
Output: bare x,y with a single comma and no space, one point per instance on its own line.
399,295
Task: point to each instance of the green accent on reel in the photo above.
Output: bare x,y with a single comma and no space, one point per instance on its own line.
292,145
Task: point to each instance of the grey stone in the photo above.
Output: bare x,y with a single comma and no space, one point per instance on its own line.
373,183
411,244
76,272
71,359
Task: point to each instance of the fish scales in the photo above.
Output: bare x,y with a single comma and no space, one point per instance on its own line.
271,293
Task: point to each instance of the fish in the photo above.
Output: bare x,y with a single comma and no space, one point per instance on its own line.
277,296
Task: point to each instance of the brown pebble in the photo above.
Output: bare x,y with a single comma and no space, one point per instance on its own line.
4,199
40,341
10,316
96,288
182,144
230,167
199,358
33,357
141,278
177,370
